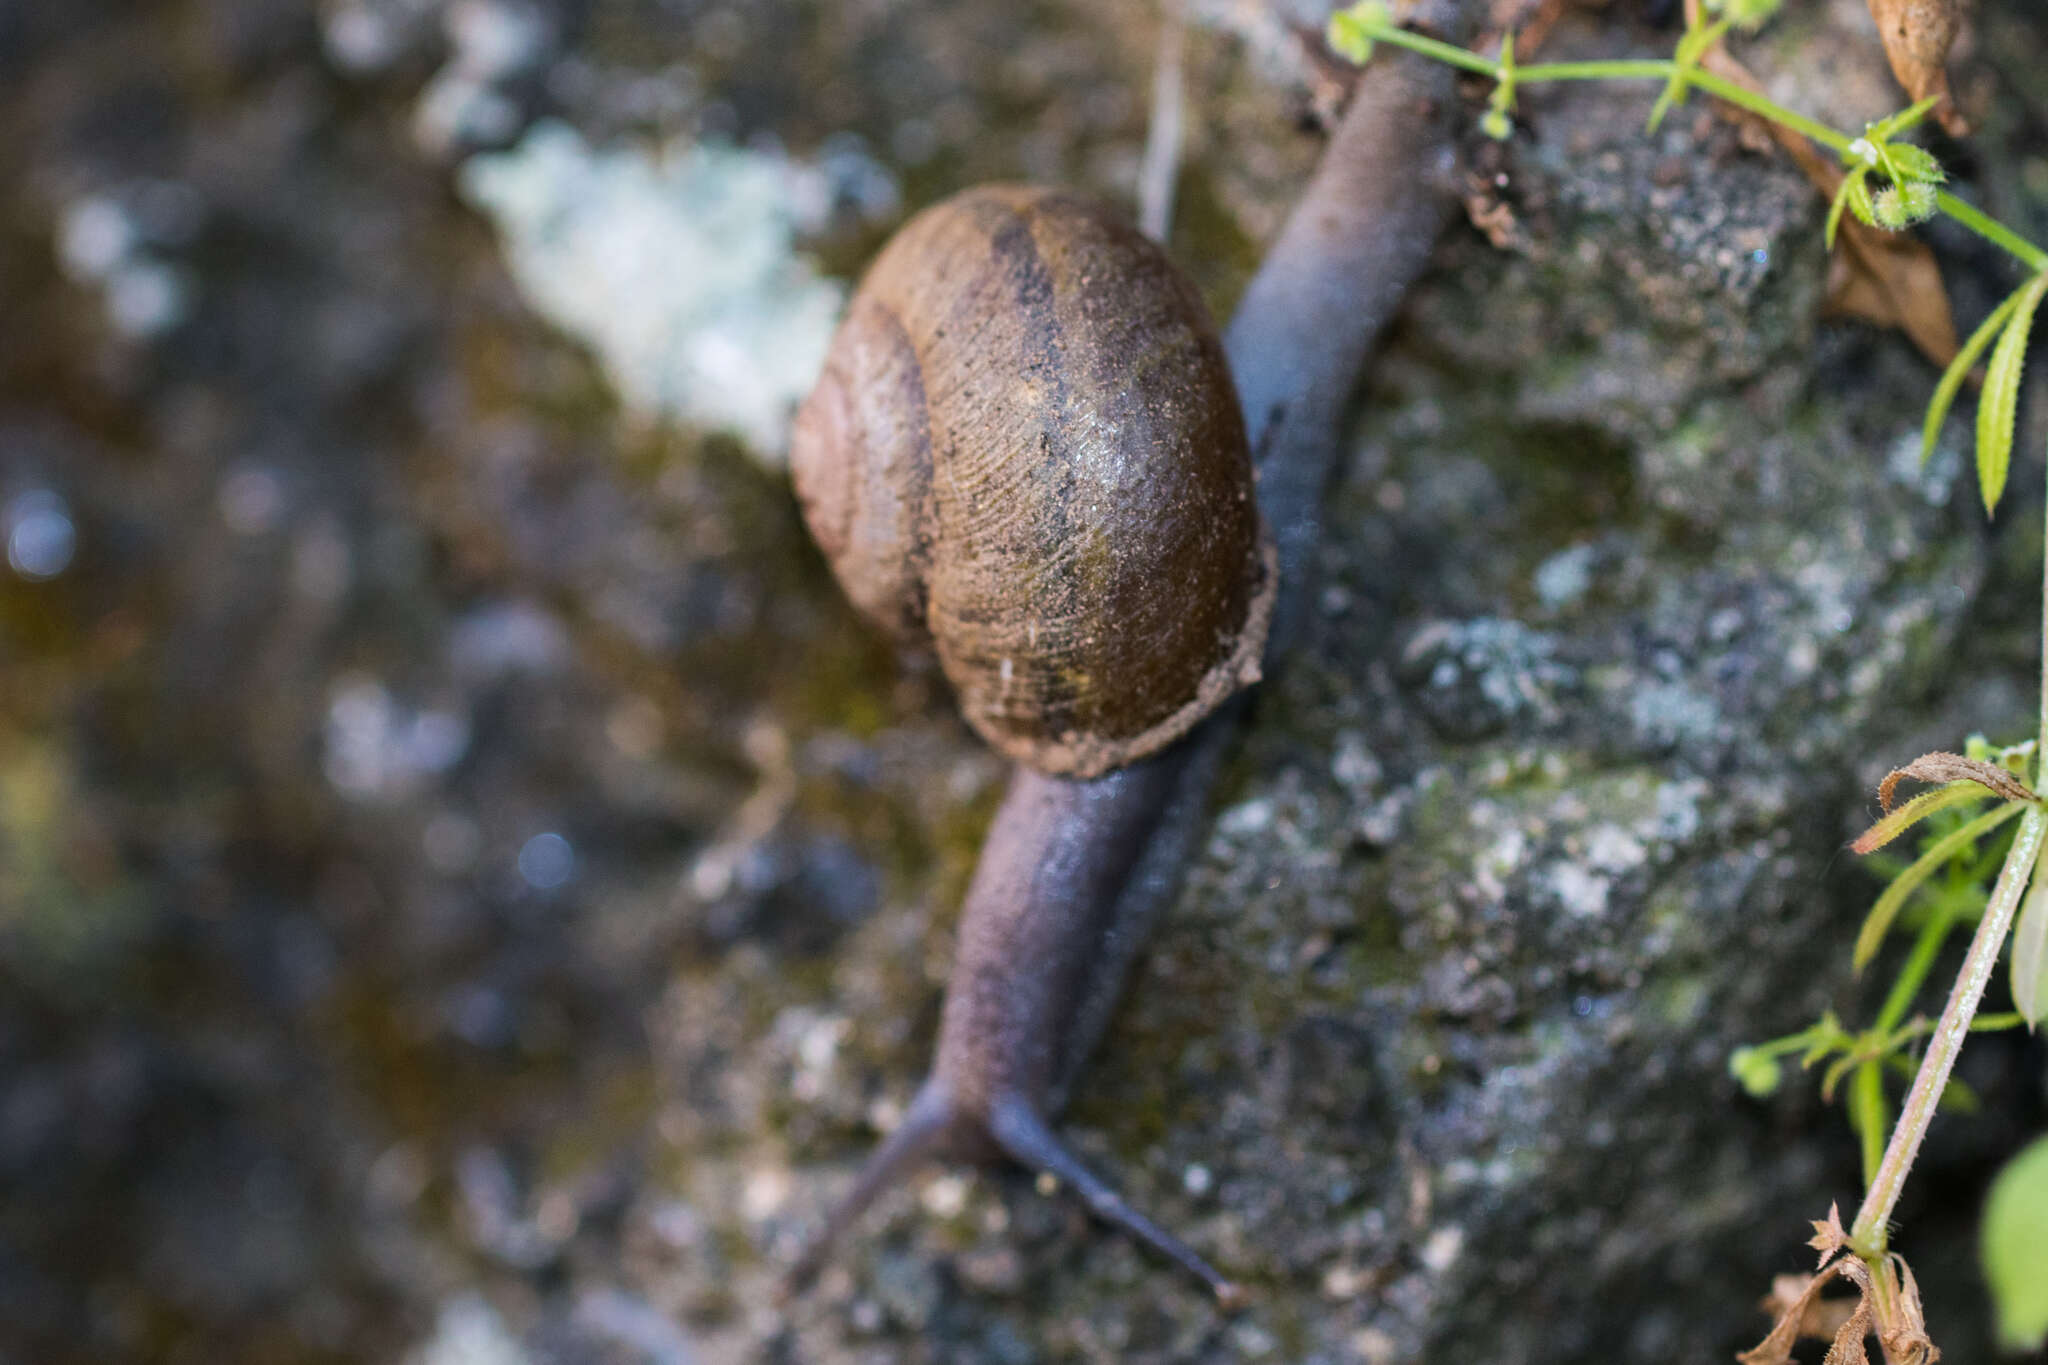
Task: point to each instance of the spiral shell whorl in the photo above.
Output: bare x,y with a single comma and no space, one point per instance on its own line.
1026,448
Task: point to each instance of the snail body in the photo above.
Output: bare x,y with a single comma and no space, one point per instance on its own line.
1024,429
1068,384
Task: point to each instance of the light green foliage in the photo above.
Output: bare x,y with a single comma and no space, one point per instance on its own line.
1910,173
1692,46
1915,165
1747,15
1351,30
1958,370
1956,843
1939,890
1998,409
1918,809
2015,1248
1498,122
1757,1069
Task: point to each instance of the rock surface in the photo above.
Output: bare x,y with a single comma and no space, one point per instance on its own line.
472,892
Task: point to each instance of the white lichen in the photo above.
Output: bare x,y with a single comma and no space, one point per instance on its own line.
678,267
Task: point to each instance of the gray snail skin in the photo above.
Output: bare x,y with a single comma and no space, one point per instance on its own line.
1025,429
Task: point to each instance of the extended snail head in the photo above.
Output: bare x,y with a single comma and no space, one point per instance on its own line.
1025,453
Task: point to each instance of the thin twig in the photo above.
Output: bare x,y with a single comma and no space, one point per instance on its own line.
1161,165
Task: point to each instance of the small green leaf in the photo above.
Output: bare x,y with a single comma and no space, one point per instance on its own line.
2030,954
1998,409
1913,165
1857,189
1904,119
1756,1069
1850,184
2015,1248
1351,31
1879,921
1958,370
1751,15
1918,809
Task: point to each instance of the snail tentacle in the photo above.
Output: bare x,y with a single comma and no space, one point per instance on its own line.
930,1124
1024,1136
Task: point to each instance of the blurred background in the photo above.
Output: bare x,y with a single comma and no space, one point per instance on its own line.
470,891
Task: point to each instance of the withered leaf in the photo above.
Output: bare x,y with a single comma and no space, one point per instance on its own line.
1947,767
1821,1318
1917,36
1776,1349
1904,1337
1848,1345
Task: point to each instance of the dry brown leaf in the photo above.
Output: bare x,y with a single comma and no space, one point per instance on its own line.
1848,1345
1820,1318
1905,1338
1946,767
1917,35
1776,1349
1889,278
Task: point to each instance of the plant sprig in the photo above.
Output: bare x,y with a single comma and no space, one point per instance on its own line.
1888,184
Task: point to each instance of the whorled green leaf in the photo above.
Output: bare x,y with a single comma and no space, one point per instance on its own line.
1851,183
1904,119
1959,369
1998,409
2030,956
1916,810
1857,194
2015,1248
1879,920
1913,165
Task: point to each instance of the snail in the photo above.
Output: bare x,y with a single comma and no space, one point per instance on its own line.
1025,426
1028,449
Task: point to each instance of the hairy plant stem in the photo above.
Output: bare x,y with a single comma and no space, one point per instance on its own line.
2032,256
1872,1227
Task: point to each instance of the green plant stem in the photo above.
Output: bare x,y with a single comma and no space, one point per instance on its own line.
1919,963
1866,1102
1721,88
1989,228
1874,1218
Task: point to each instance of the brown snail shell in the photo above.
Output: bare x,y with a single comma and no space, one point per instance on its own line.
1025,451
